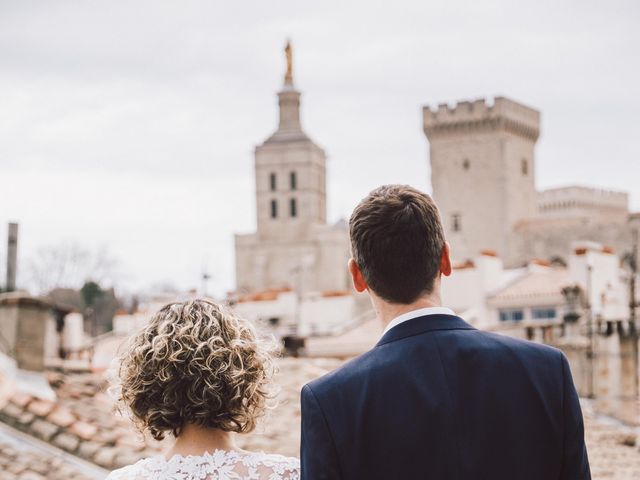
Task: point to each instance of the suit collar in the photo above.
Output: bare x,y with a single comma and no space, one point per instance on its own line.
426,323
420,312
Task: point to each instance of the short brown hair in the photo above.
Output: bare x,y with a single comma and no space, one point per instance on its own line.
397,241
195,362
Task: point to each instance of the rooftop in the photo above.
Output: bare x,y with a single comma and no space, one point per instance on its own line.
26,458
82,422
537,282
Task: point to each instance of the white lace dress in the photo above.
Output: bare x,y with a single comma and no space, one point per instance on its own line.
219,465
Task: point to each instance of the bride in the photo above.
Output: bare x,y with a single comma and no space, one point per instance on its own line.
198,373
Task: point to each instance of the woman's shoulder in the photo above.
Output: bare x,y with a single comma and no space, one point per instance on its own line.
274,460
243,465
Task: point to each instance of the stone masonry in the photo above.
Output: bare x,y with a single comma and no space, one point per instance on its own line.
482,171
483,178
293,246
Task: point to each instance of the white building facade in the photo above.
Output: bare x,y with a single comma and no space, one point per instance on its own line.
493,297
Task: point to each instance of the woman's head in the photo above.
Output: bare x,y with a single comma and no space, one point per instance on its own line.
197,363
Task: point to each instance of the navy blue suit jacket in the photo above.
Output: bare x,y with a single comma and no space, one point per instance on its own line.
438,399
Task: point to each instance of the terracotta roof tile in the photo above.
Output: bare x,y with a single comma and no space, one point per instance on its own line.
21,399
41,408
81,422
61,417
84,430
19,463
43,430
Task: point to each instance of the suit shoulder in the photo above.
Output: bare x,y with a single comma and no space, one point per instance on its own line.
518,343
498,344
344,374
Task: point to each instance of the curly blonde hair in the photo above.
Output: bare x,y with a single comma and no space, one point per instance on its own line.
195,362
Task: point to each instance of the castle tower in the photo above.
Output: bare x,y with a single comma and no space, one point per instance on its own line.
290,171
293,246
482,172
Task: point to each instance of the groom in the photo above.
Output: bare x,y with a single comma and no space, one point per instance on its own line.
435,398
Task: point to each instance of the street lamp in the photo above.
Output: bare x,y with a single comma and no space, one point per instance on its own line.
294,343
573,309
574,300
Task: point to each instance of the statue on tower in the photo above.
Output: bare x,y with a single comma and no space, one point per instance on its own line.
288,77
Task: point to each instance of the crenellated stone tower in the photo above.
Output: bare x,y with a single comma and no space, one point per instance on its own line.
482,171
293,246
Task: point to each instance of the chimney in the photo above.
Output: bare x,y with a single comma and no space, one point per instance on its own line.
28,328
12,257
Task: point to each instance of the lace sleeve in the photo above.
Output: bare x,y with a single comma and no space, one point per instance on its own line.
293,474
290,474
286,469
272,467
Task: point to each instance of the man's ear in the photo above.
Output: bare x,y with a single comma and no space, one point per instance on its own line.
356,275
445,260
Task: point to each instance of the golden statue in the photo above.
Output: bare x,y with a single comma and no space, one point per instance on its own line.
288,77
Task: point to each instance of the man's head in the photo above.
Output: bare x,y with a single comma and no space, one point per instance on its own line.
398,244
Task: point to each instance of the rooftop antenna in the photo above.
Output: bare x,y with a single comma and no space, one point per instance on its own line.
204,278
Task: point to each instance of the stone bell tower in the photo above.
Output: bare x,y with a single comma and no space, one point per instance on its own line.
290,171
482,172
293,247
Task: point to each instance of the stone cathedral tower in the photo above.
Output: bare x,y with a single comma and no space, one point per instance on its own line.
293,246
482,172
290,172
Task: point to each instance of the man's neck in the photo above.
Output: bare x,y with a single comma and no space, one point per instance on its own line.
385,311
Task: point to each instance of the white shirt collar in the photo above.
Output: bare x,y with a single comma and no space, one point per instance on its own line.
421,312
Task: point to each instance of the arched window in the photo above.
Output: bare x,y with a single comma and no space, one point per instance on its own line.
524,165
293,180
293,207
274,209
272,182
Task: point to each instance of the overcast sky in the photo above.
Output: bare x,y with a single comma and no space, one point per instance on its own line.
131,125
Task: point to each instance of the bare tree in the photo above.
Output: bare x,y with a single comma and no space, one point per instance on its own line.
69,265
